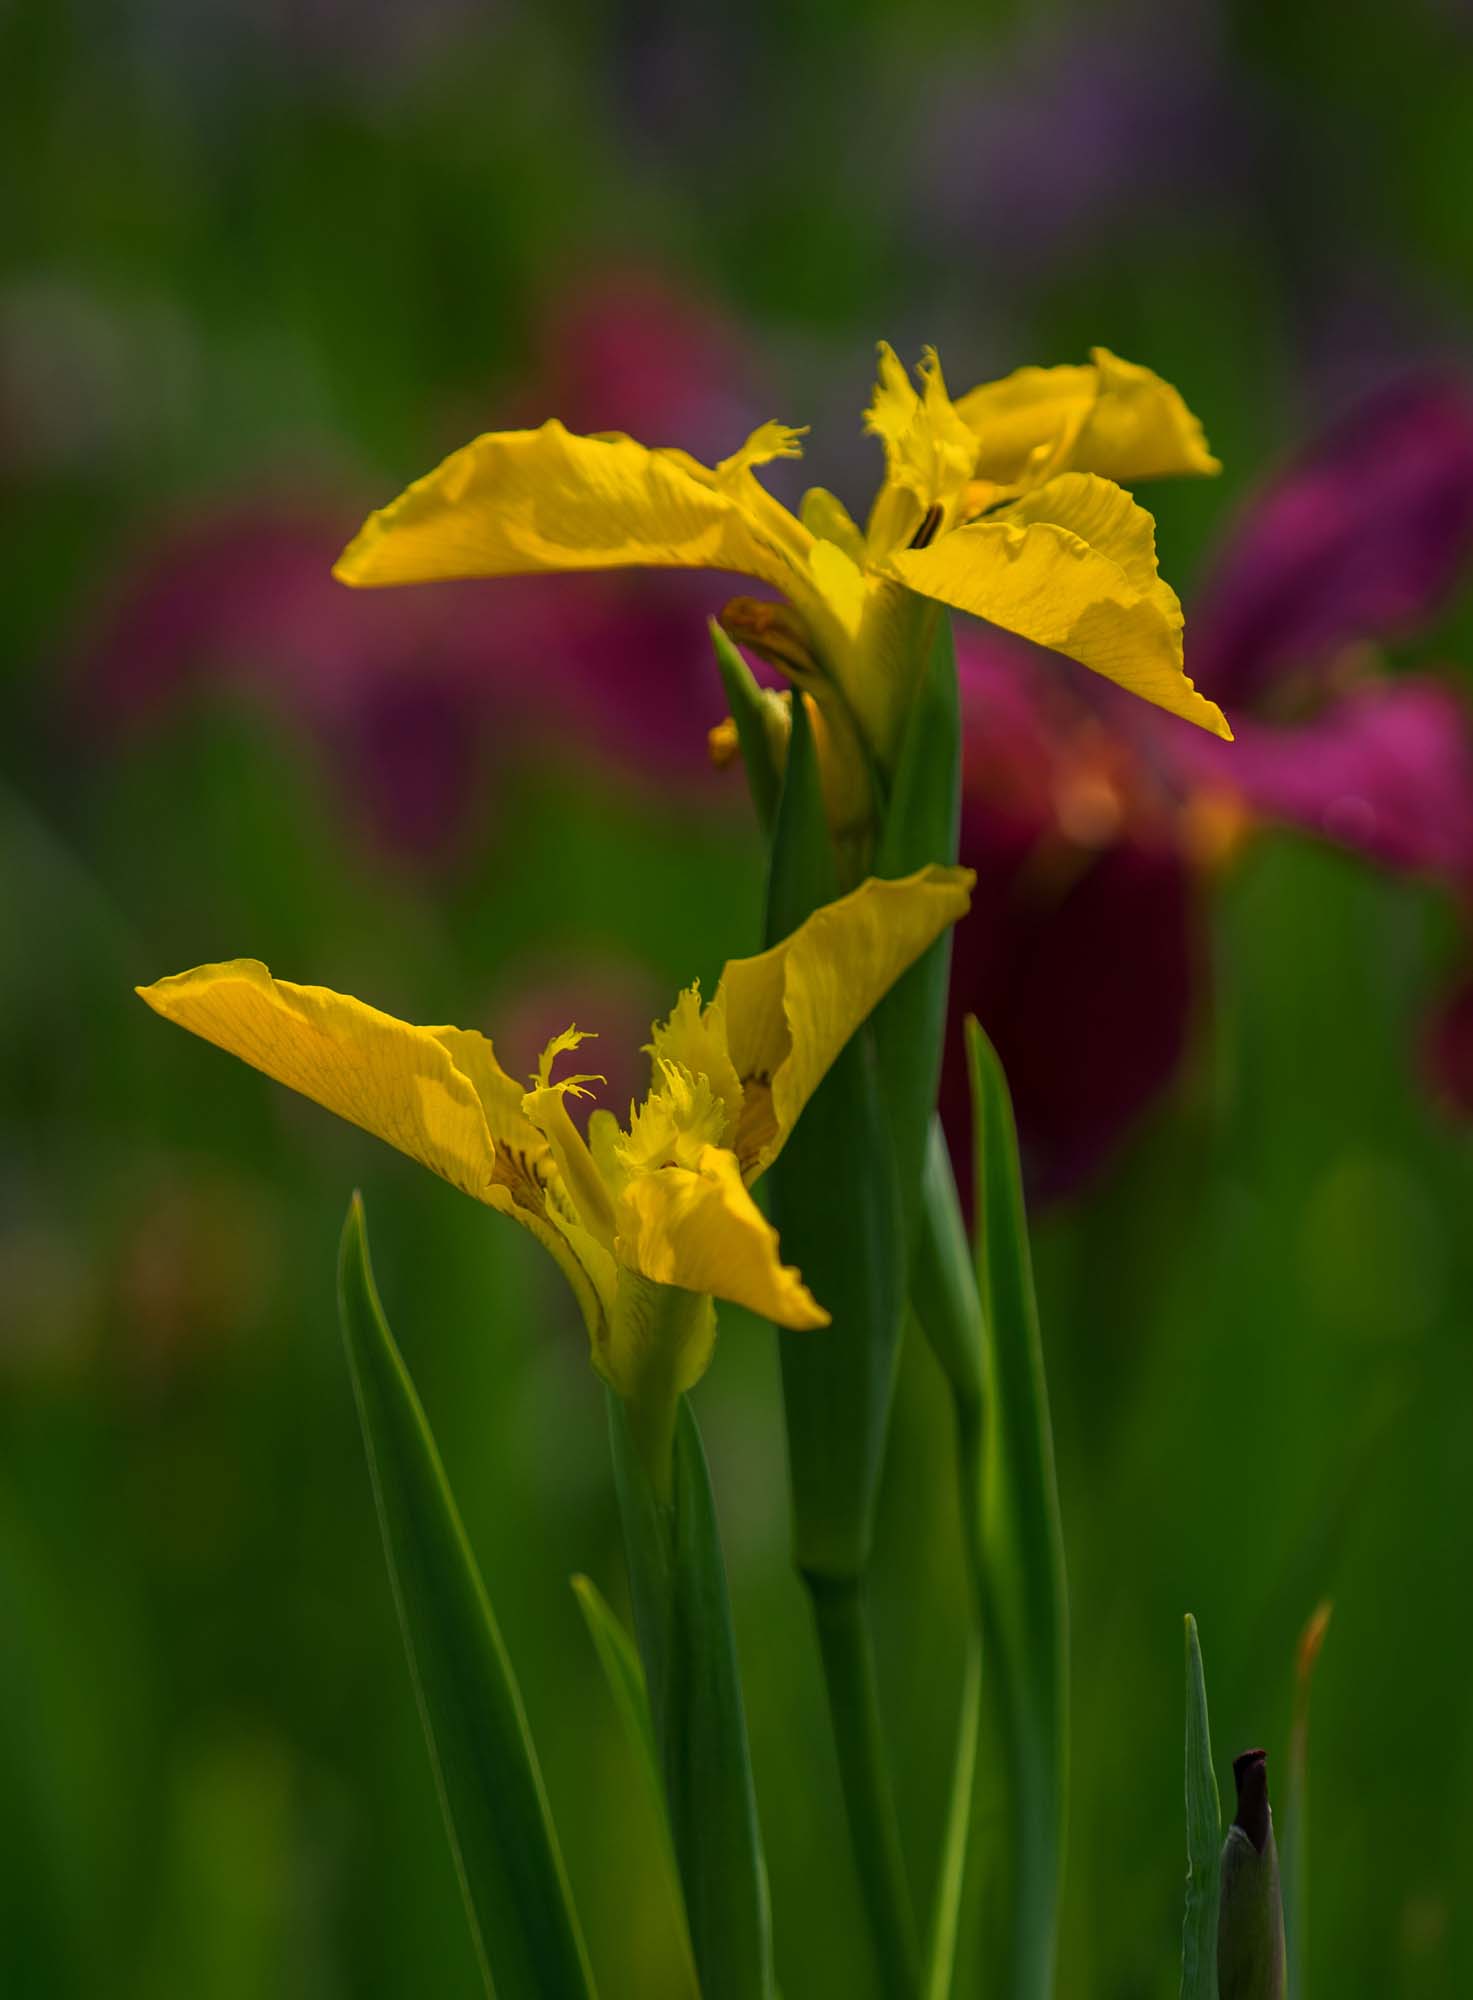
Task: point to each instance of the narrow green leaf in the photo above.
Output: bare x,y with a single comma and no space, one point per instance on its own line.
943,1280
749,711
802,873
496,1813
846,1648
952,1873
833,1197
1023,1586
683,1618
625,1676
1204,1836
619,1659
921,818
945,1301
921,826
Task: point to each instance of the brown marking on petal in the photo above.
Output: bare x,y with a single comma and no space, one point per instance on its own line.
756,1127
524,1176
925,534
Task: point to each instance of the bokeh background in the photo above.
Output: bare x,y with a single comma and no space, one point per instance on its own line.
265,263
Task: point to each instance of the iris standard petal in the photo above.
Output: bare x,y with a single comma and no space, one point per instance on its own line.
1110,416
1071,566
514,502
790,1010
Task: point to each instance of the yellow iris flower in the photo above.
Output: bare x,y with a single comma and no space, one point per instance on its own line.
663,1202
1004,503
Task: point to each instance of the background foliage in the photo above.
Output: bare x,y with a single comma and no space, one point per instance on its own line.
262,264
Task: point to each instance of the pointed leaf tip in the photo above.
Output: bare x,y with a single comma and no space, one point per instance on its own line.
1204,1834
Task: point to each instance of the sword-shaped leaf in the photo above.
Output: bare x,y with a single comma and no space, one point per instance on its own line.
1204,1837
682,1614
496,1812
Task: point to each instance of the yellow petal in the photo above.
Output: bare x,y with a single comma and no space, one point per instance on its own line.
547,1108
700,1229
437,1094
694,1039
679,1119
827,519
1071,566
1110,417
930,452
514,502
790,1010
1139,427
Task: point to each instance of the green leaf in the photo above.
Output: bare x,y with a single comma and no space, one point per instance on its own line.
945,1301
833,1196
1204,1837
1009,1466
923,813
802,874
625,1676
921,826
748,704
619,1659
950,1899
943,1281
496,1813
683,1618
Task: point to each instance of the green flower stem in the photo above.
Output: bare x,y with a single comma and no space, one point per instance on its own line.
656,1326
847,1653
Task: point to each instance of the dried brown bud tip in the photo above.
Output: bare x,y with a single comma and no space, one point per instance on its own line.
1250,1774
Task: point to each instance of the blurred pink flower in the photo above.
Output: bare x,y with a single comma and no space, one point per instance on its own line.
416,696
1094,824
1081,952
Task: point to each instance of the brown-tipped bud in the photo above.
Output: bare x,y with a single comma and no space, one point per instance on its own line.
1250,1922
1250,1775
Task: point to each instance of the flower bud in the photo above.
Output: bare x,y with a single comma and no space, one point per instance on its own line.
1250,1921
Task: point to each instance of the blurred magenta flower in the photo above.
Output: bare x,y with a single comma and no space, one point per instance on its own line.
417,700
1094,825
245,600
1084,888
